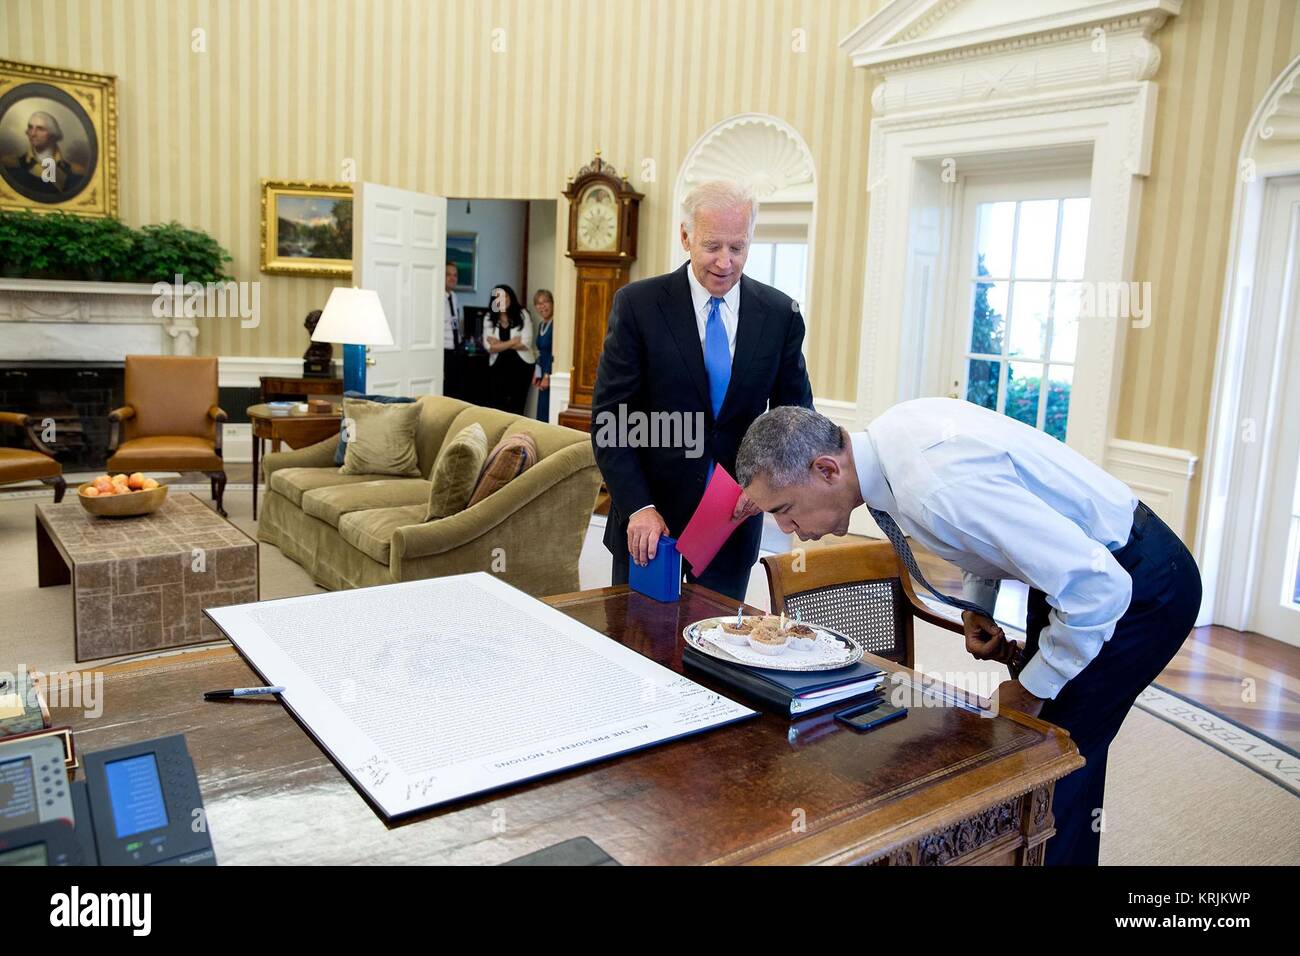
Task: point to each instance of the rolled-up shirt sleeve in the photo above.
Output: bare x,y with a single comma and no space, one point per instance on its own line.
997,518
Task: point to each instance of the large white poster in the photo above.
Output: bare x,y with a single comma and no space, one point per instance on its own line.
430,691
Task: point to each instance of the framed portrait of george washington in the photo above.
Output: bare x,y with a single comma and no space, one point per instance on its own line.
58,140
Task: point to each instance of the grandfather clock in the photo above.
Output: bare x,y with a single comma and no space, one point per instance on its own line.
602,244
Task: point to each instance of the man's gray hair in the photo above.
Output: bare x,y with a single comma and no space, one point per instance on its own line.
51,124
782,444
718,194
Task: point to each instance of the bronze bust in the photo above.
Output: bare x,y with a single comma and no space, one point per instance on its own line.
317,361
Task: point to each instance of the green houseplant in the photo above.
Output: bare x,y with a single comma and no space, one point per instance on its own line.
62,246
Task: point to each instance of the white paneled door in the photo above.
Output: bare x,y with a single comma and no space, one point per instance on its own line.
1276,610
399,247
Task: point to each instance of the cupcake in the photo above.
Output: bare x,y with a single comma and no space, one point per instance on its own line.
801,636
737,634
767,639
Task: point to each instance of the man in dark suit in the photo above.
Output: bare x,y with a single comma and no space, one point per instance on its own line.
696,354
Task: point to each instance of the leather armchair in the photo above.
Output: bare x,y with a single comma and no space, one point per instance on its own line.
23,464
171,420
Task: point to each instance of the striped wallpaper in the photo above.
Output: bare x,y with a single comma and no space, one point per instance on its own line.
413,91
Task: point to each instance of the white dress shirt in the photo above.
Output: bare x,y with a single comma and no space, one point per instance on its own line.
452,320
1000,499
525,332
729,310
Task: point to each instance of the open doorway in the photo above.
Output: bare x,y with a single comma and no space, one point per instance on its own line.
495,243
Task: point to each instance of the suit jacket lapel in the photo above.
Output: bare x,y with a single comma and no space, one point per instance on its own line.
750,329
679,315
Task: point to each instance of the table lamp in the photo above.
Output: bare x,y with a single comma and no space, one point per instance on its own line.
355,318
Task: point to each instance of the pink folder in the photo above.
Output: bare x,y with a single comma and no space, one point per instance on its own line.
711,525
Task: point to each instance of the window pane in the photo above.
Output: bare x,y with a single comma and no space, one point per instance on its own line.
759,264
1023,382
1036,240
1074,239
994,222
988,318
1059,380
1029,304
982,382
1065,321
788,264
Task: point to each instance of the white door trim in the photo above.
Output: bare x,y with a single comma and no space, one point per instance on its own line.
1230,514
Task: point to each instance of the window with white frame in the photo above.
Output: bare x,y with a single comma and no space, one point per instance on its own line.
1022,295
783,265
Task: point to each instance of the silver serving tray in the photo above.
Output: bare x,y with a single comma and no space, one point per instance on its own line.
783,662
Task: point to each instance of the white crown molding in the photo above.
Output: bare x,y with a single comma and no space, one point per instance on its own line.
903,34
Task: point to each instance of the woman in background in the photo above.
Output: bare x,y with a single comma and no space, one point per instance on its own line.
544,306
508,337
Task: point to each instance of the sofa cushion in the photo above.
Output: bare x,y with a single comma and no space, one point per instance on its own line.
293,482
341,451
383,439
457,471
330,504
371,532
512,456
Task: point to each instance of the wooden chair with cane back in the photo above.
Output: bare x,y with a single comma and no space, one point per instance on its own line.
860,589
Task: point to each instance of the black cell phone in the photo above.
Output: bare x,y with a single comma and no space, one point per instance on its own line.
871,714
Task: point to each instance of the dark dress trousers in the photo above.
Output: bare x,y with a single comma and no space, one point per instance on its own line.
1093,704
653,362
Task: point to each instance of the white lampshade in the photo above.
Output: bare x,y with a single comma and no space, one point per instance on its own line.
353,317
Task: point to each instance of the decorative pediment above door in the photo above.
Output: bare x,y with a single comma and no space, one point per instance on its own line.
937,52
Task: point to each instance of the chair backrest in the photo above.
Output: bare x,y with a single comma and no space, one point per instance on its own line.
171,395
856,589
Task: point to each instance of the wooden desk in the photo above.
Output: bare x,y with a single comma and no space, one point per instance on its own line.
942,785
297,430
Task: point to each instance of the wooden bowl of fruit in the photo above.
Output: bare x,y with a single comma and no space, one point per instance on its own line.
122,496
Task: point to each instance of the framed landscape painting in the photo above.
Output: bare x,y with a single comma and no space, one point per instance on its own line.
306,228
462,249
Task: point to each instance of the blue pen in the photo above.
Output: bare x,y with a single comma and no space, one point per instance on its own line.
241,692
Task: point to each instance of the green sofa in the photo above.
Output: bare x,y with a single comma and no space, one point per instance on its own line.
353,531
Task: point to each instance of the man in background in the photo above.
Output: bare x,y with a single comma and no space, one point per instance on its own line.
704,341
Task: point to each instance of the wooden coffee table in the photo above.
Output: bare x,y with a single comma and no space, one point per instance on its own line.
295,429
140,584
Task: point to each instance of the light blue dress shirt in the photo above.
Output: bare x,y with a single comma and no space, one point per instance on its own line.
1000,499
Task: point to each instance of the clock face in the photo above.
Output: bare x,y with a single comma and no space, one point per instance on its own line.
597,221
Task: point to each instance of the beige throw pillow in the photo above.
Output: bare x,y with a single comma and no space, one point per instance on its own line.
382,439
456,472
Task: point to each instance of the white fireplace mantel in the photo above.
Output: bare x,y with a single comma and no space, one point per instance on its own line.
71,321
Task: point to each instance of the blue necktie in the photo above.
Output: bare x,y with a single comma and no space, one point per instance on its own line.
717,357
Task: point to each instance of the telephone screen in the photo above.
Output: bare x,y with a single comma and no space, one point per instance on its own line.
35,855
135,791
17,794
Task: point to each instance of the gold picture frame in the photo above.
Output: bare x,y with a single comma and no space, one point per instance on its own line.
58,140
320,216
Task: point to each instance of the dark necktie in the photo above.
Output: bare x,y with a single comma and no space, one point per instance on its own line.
455,322
895,535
